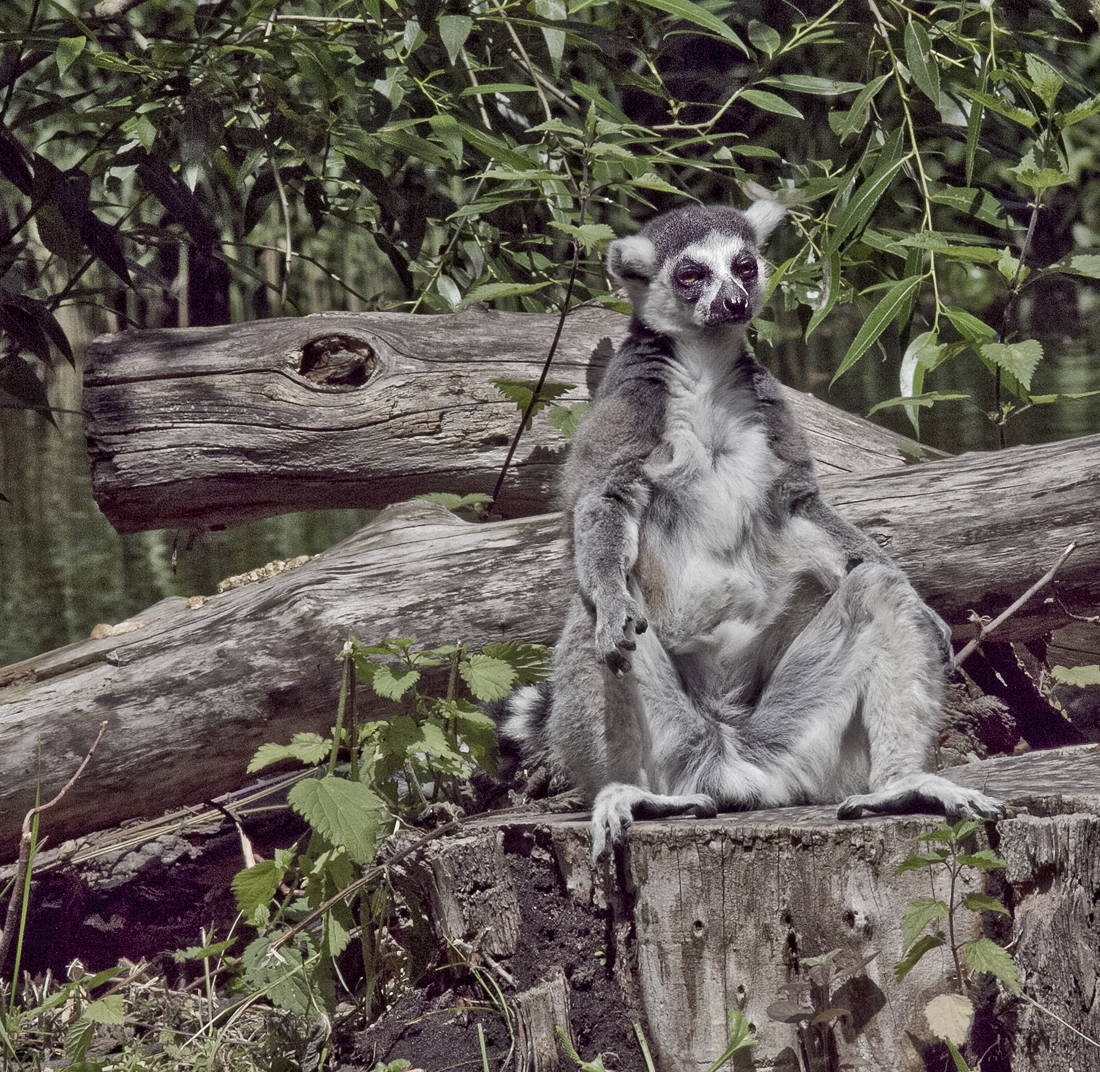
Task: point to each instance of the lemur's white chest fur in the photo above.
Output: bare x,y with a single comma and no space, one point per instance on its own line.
709,477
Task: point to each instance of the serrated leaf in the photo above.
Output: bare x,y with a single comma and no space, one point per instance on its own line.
78,1037
348,814
1040,179
1084,110
531,662
950,1016
925,859
878,321
255,886
770,102
690,12
522,391
590,236
922,66
1086,264
985,955
1045,80
918,914
391,683
285,977
307,748
567,419
487,678
454,31
652,181
107,1010
1021,359
985,859
982,902
1076,675
916,951
202,952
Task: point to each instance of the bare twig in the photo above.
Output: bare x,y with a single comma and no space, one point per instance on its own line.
25,840
988,627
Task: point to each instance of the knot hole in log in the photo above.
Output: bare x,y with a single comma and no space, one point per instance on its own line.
338,361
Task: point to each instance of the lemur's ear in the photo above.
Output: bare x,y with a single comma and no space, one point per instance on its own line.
631,260
763,216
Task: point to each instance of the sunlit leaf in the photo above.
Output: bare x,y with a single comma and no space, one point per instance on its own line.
950,1016
690,12
811,84
1076,675
454,31
1021,359
982,902
307,748
256,886
867,197
922,65
985,955
770,102
487,678
1046,81
67,52
348,814
914,954
918,914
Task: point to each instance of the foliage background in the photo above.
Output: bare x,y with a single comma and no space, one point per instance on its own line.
171,162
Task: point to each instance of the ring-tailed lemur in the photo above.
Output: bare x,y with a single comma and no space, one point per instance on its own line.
732,642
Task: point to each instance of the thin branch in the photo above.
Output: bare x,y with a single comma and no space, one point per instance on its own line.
25,841
988,627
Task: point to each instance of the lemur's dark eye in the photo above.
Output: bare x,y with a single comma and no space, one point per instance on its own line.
745,267
690,275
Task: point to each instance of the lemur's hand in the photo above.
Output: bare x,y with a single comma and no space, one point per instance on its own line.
618,619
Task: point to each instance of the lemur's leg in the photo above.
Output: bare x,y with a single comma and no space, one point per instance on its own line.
859,695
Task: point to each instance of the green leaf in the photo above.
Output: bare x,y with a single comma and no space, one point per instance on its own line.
1076,675
392,684
348,814
256,886
67,51
487,678
741,1037
877,322
986,859
590,236
1009,111
925,859
980,204
201,952
808,83
689,12
1040,179
924,400
830,284
567,419
1021,359
853,121
456,502
918,914
522,391
764,38
1084,110
488,292
921,63
770,102
307,748
107,1010
969,326
1046,81
19,382
985,955
453,31
531,662
916,951
285,977
1086,264
866,199
982,902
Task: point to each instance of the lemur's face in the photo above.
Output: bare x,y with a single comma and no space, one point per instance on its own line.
696,269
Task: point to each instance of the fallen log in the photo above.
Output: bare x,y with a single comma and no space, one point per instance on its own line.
204,428
192,688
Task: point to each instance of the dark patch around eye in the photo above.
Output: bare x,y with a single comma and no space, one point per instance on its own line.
691,274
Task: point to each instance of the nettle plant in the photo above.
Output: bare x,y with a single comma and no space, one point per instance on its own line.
932,923
370,778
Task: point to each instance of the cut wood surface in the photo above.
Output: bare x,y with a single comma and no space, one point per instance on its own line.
190,692
707,915
208,427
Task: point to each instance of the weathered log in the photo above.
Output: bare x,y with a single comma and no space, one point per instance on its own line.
730,913
191,692
208,427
